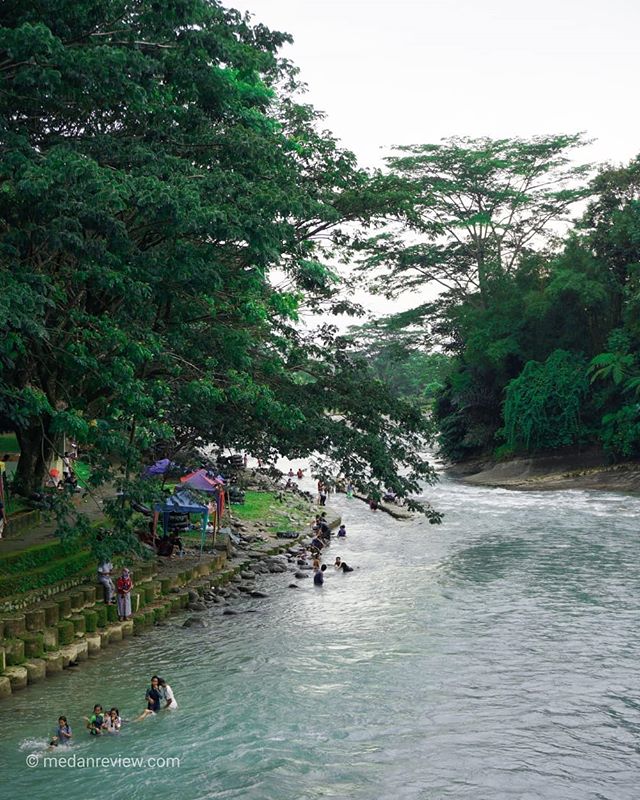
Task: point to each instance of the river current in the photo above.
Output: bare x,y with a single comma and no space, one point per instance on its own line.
492,657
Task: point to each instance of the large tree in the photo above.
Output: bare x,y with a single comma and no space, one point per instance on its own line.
473,208
154,171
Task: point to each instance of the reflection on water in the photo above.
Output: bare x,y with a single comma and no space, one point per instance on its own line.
494,656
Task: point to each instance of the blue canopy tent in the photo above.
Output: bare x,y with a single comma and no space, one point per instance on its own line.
183,503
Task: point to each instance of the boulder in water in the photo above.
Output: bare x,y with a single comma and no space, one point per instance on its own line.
301,575
195,622
256,593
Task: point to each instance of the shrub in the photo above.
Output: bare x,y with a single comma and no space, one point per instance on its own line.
45,576
32,558
66,632
90,620
101,616
542,405
33,645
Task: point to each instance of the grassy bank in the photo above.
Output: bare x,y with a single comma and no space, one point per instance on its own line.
265,507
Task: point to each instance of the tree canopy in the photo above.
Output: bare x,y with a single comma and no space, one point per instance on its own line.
542,328
166,208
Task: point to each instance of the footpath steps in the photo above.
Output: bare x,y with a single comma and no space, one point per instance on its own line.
47,629
68,626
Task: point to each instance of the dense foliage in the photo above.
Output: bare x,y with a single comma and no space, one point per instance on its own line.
155,169
543,332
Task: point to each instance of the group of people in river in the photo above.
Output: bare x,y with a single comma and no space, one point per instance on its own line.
159,696
321,540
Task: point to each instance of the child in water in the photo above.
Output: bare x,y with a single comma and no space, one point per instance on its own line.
342,531
63,733
112,721
96,721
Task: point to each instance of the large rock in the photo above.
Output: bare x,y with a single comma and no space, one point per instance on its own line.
229,612
257,593
68,654
115,632
53,663
36,670
14,651
94,643
195,622
50,636
300,575
5,686
18,677
198,606
293,586
82,650
51,614
127,627
35,619
14,626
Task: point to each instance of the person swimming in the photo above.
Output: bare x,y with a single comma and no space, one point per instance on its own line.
339,564
153,696
167,695
112,721
63,733
318,578
96,721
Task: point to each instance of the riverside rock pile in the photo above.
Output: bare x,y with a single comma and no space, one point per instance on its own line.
242,585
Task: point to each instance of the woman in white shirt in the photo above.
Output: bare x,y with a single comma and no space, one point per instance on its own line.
167,693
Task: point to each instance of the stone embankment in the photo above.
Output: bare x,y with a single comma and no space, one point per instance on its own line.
69,624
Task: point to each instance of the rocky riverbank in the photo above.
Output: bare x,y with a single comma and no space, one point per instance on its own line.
551,472
61,630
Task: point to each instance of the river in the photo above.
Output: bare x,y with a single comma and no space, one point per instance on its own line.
494,656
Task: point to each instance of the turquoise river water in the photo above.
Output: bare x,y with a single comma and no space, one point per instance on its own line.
494,656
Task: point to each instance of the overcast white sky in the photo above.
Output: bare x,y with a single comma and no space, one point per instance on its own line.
414,71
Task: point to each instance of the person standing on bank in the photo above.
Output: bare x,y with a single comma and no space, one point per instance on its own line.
105,570
124,586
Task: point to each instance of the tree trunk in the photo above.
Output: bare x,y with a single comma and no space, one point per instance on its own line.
35,454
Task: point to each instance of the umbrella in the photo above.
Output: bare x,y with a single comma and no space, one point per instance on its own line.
159,468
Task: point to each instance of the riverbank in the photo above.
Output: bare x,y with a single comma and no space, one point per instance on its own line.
551,472
41,636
